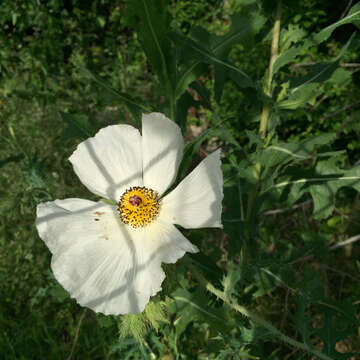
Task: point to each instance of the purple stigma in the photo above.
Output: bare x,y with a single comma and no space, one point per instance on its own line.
135,200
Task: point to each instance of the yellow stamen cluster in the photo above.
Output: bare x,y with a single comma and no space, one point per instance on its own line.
138,206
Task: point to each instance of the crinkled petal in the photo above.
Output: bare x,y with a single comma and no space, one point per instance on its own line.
196,201
110,162
162,149
104,264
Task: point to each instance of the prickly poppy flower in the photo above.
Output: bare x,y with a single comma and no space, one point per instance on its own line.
108,257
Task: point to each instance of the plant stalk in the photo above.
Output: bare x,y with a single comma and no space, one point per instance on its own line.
274,54
263,124
172,105
256,318
77,334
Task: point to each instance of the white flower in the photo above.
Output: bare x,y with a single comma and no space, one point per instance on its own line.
109,257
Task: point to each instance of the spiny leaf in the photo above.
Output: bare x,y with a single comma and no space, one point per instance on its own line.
352,17
202,54
322,183
231,279
301,320
189,72
289,55
333,331
214,49
299,98
243,29
255,333
134,325
320,72
153,29
195,306
291,35
302,89
234,349
155,314
284,152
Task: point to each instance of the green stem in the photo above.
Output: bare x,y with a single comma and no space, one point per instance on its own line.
274,54
253,195
172,105
256,318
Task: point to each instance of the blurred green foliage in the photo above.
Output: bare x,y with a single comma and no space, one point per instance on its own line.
70,68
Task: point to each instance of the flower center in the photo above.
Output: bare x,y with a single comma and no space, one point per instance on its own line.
138,206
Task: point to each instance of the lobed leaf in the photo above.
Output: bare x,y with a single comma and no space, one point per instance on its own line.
322,183
290,54
152,28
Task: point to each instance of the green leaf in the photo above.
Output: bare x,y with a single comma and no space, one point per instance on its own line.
289,55
59,293
254,138
285,152
321,71
189,72
78,126
182,107
137,325
352,17
292,35
153,30
301,320
105,321
234,348
324,194
192,149
134,105
202,54
195,307
340,77
231,279
335,328
155,314
309,290
243,29
299,98
322,183
355,10
134,325
255,334
14,17
220,79
11,158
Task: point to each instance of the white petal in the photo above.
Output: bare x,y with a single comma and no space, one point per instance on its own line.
104,264
110,162
196,201
162,149
165,242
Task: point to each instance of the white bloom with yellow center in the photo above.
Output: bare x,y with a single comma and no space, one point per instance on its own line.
109,257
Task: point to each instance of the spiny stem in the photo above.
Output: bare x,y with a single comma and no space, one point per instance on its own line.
274,54
255,317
